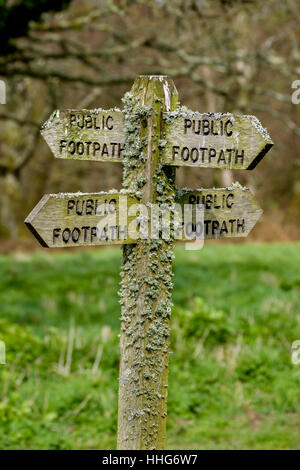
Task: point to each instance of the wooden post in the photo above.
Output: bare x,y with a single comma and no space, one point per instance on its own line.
146,274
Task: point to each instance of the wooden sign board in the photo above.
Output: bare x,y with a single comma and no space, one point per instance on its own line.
77,219
210,140
228,212
95,134
68,220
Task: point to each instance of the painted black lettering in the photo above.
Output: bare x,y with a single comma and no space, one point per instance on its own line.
75,235
122,232
62,145
194,154
185,153
88,144
229,200
187,125
72,119
208,201
85,232
71,147
80,148
109,125
56,232
223,228
215,227
88,121
113,146
71,205
79,211
239,156
89,207
226,125
231,221
205,127
112,206
120,150
93,233
175,151
206,223
66,235
222,158
240,225
96,148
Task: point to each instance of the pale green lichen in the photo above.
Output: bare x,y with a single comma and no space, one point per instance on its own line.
146,277
134,151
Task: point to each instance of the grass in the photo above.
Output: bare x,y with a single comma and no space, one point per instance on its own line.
232,384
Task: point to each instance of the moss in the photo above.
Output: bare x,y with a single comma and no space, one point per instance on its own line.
134,152
146,278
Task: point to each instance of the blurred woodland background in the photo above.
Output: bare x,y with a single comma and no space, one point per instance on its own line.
224,55
232,381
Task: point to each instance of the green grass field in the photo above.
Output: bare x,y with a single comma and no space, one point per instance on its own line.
231,383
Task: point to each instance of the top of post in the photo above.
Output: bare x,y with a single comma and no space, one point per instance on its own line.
154,77
155,87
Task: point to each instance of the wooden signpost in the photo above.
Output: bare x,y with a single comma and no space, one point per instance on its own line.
151,136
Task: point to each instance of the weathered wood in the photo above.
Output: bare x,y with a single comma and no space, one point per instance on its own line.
217,140
94,134
148,134
72,219
228,212
146,275
77,219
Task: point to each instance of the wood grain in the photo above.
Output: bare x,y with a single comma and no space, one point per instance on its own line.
68,220
224,141
95,134
146,283
227,212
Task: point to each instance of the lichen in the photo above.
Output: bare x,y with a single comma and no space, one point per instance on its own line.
135,145
146,277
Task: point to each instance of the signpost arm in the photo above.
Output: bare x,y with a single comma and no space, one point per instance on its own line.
146,274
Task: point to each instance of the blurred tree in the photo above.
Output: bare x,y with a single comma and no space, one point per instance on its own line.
16,16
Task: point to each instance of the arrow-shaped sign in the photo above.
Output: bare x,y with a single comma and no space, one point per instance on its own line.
210,140
67,219
228,212
95,134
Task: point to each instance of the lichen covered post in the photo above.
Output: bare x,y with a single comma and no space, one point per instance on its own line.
146,273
